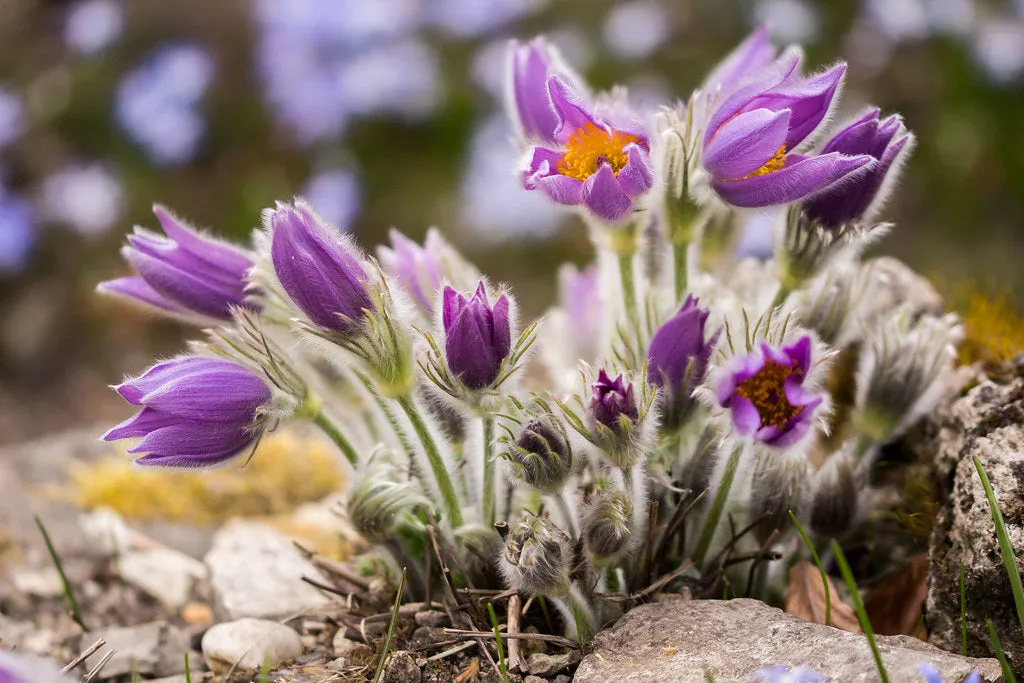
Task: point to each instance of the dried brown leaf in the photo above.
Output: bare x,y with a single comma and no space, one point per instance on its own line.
805,598
896,606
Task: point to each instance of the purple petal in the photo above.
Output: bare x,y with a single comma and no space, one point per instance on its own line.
502,330
531,102
637,176
137,289
135,388
216,253
753,54
218,396
194,438
808,101
573,113
451,307
800,353
140,424
745,417
746,143
801,177
604,196
184,287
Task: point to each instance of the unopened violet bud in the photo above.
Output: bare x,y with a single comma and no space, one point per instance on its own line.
541,456
185,274
677,360
612,403
607,527
888,142
477,336
196,412
17,667
318,268
537,557
765,394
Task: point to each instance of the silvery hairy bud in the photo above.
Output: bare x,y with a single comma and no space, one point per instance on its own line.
835,502
379,504
776,489
607,525
537,557
540,455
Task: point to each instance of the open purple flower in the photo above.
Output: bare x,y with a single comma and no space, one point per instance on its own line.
677,360
750,138
196,412
320,271
749,57
184,274
417,268
603,163
477,336
885,140
765,393
612,402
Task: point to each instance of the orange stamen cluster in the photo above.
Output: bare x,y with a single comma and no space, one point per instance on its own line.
590,147
776,163
766,390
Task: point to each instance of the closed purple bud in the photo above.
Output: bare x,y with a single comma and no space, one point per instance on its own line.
885,140
323,275
677,360
184,274
612,402
540,456
529,101
196,412
477,336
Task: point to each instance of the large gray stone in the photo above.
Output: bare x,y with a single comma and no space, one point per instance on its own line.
153,649
987,423
733,639
248,644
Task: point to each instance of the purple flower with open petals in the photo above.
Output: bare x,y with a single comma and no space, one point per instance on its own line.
677,360
184,274
603,163
750,138
477,336
885,140
321,272
196,412
765,393
612,402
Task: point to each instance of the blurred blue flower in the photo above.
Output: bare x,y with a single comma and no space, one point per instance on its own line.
86,197
472,18
401,78
157,102
10,117
634,30
17,232
336,195
791,21
999,49
780,673
329,25
93,25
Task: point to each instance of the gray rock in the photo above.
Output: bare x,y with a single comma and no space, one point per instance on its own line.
898,285
401,667
541,664
167,575
153,649
987,423
255,571
534,679
344,646
39,582
732,639
246,644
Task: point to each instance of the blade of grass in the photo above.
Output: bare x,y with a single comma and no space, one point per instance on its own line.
391,627
188,670
963,609
1000,655
1004,543
497,641
69,593
817,562
858,606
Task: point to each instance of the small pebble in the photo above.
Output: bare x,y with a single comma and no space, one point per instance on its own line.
247,644
197,614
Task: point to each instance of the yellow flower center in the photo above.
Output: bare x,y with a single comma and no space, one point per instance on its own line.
590,147
776,163
767,391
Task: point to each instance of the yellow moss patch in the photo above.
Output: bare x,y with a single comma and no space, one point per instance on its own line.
286,471
994,329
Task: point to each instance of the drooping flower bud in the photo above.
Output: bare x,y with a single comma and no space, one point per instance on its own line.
885,140
185,274
196,412
836,495
537,557
746,59
541,456
318,268
677,361
17,667
766,396
380,503
776,488
478,336
613,404
607,527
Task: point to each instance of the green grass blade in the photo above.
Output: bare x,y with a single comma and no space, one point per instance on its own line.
391,627
1000,655
817,562
69,593
188,670
497,641
1004,543
858,606
963,609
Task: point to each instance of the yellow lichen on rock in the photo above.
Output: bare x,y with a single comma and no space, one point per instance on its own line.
994,329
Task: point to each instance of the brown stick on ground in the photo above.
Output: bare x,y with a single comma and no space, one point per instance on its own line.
513,630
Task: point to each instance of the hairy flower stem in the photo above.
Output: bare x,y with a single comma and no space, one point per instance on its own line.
781,294
489,502
625,259
389,415
576,611
565,509
437,465
335,435
717,506
679,259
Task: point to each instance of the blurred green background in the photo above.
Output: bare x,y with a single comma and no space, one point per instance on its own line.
388,113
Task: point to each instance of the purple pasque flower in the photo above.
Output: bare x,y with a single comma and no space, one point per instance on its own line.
579,295
528,100
603,163
477,336
932,675
184,274
418,269
782,673
885,140
765,392
612,402
749,141
677,360
749,57
17,667
317,267
196,412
